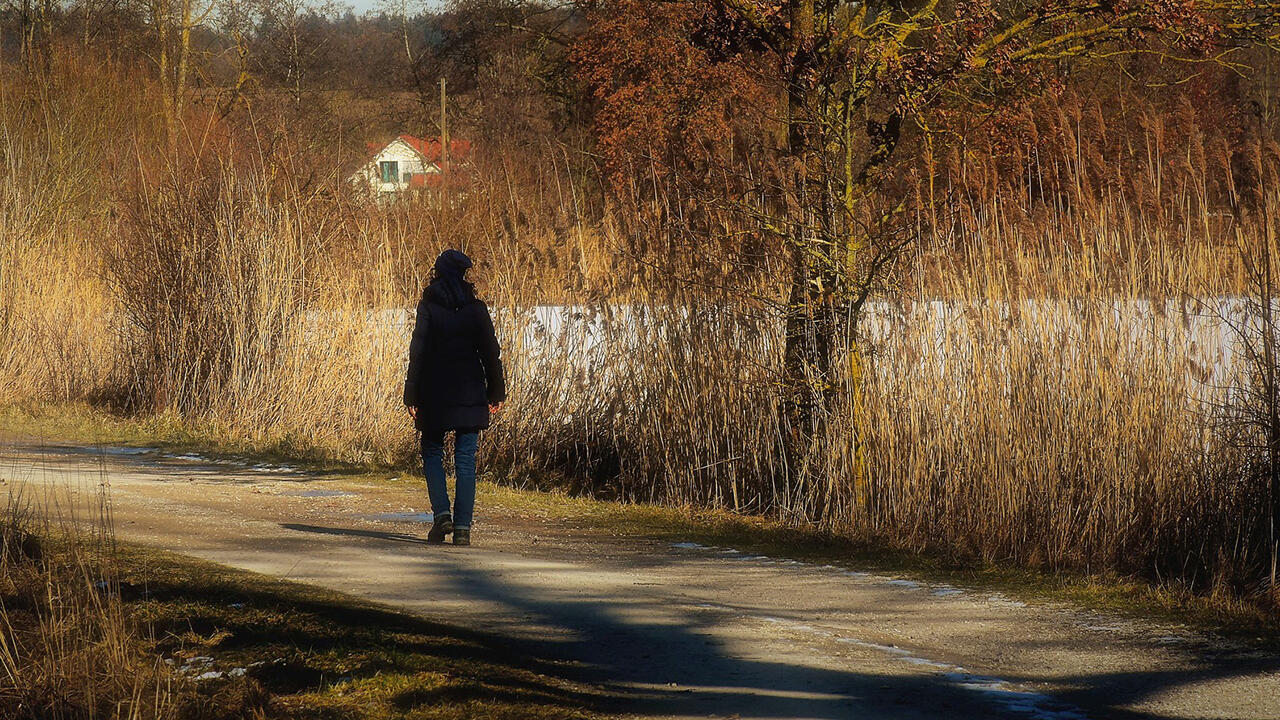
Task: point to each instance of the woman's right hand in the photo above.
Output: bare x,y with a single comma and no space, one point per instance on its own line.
413,412
495,407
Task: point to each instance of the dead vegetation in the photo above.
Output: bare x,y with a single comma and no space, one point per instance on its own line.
67,647
1050,380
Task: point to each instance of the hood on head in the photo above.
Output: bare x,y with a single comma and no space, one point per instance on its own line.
452,262
449,286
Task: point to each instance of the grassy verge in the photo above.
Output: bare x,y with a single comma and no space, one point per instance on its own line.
1133,597
287,650
1109,593
85,424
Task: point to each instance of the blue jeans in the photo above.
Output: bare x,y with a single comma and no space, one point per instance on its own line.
464,460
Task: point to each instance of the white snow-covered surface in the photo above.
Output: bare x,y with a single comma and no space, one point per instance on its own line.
260,467
119,450
1208,334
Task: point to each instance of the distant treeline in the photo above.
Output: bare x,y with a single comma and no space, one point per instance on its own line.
504,62
523,73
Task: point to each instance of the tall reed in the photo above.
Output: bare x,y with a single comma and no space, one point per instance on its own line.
1051,383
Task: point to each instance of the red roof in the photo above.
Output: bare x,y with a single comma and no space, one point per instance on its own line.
430,149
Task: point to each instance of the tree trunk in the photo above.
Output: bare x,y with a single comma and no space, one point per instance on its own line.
184,54
809,320
160,18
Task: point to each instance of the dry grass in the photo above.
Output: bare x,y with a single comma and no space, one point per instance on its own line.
67,648
1060,404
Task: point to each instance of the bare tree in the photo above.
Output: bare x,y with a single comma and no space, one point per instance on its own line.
858,81
171,23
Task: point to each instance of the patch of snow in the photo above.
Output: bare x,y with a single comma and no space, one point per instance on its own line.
894,650
194,664
211,675
119,450
926,662
280,469
688,546
402,517
903,584
795,625
947,591
1036,705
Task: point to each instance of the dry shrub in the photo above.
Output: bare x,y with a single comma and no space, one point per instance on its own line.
59,343
67,649
1059,423
210,282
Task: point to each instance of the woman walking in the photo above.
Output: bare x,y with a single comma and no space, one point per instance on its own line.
454,383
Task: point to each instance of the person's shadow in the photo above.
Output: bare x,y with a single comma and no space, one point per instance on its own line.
352,532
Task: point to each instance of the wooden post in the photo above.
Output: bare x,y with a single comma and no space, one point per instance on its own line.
444,130
1269,386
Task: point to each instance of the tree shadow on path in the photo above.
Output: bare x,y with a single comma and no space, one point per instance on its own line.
650,654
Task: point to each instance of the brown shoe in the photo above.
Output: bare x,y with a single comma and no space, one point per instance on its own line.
462,536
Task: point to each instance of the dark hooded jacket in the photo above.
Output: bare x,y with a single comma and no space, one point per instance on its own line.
455,365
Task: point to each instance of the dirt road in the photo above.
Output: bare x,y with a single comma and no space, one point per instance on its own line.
671,630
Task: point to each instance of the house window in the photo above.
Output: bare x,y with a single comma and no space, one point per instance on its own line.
390,170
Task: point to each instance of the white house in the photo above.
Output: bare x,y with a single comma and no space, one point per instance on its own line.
411,162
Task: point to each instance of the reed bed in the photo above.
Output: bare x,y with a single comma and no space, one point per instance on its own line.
1057,378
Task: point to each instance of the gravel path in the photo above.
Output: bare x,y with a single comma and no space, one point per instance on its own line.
668,630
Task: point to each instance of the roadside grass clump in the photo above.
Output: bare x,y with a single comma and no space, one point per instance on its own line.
68,649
